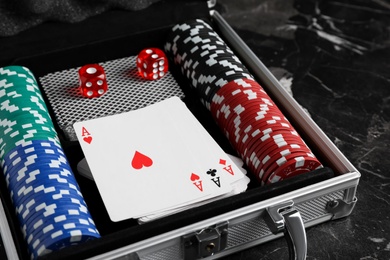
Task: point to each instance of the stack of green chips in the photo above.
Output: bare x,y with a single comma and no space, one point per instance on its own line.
23,113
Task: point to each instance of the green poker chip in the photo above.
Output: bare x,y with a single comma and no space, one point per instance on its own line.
24,116
16,71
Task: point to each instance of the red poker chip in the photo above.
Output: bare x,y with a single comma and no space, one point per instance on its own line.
265,153
248,118
294,167
234,130
216,103
277,161
270,114
266,141
232,89
223,115
264,148
228,88
243,84
254,85
260,143
258,128
223,93
259,125
230,94
235,115
280,144
257,108
240,100
274,122
256,138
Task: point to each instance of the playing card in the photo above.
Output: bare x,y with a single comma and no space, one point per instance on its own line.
126,92
140,163
219,168
84,170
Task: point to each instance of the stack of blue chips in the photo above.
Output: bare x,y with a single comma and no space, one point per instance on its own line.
47,199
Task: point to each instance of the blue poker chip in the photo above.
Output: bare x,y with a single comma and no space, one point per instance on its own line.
40,224
57,220
42,156
61,199
49,228
29,162
82,221
28,191
11,141
42,227
48,176
60,202
34,225
22,172
59,194
59,239
29,216
37,144
25,174
51,160
20,166
48,147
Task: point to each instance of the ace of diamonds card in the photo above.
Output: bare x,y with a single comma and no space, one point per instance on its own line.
141,163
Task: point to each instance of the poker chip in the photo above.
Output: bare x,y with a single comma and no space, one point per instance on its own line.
267,142
205,59
48,203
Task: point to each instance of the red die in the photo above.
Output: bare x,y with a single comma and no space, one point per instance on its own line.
93,81
152,63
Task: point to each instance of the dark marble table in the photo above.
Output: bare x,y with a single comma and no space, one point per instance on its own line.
335,57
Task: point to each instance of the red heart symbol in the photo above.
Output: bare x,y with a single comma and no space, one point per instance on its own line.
140,160
194,177
88,139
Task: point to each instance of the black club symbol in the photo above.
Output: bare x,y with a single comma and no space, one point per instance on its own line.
212,172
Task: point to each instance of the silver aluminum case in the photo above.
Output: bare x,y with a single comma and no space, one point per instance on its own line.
247,227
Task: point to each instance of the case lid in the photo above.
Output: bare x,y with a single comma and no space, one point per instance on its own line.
55,36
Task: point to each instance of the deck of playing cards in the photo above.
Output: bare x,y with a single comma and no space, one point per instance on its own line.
156,161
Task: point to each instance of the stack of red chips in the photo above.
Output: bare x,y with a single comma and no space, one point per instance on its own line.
260,133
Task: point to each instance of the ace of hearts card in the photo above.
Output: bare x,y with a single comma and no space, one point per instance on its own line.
143,163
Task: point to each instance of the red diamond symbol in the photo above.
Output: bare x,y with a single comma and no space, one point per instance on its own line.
222,161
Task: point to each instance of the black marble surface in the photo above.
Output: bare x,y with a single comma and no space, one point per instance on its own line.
335,58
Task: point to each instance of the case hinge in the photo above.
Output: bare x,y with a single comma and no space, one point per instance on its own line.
205,242
285,218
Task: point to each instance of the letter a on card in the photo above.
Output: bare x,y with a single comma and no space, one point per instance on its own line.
229,169
196,181
84,131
